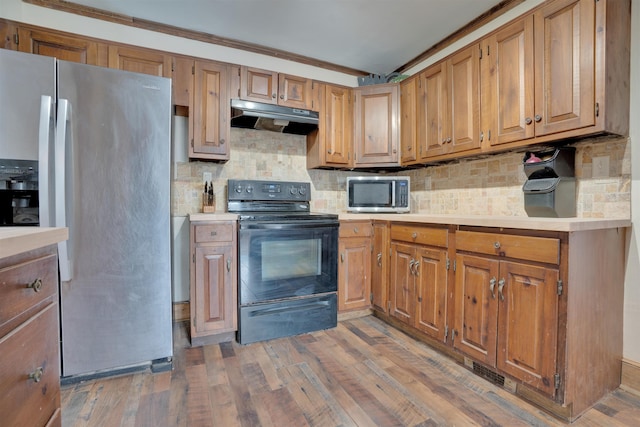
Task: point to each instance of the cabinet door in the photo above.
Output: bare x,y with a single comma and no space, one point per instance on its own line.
401,283
464,116
258,85
528,324
140,61
476,317
8,31
408,120
433,111
210,128
354,280
337,116
376,125
182,77
564,68
294,91
509,53
61,47
430,271
214,310
380,267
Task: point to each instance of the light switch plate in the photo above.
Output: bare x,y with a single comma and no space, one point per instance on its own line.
600,167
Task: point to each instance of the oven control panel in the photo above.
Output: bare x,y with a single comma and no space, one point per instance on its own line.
255,190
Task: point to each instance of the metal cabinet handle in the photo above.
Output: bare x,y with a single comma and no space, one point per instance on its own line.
281,96
538,118
228,264
355,230
222,141
273,95
449,139
342,257
416,265
528,120
214,233
414,235
501,284
36,285
492,286
411,263
36,375
380,259
496,245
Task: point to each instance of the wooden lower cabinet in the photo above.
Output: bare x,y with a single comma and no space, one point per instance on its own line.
214,295
418,278
380,256
354,265
29,344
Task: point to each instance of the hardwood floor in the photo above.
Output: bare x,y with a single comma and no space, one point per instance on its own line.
362,373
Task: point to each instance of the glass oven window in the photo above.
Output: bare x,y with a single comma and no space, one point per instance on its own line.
291,258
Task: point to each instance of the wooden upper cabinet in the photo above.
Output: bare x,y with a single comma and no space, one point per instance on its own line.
8,32
331,144
73,49
140,61
449,107
209,129
376,131
408,116
182,80
275,88
564,67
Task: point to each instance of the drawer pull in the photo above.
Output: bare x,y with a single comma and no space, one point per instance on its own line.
214,233
496,245
355,230
36,375
492,287
501,284
414,235
36,285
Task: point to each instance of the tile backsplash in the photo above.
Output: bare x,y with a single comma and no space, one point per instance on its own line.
480,186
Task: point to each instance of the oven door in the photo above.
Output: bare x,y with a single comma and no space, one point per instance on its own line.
279,260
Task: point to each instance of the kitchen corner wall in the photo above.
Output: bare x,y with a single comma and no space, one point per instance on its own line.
484,186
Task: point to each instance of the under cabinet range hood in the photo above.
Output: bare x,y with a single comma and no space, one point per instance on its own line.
275,118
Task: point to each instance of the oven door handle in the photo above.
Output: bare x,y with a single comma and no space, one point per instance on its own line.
286,226
286,309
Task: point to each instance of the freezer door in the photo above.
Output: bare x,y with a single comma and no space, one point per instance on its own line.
116,303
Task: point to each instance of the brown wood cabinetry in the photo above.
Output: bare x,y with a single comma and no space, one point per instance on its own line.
449,105
354,265
376,128
214,295
60,46
209,127
182,80
380,256
558,72
139,60
507,311
418,277
408,120
275,88
29,344
331,144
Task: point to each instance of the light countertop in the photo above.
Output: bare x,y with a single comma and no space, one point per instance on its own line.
518,222
15,240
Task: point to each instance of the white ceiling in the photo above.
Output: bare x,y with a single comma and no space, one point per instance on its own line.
375,36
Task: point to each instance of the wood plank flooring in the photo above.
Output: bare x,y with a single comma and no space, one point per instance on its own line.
362,373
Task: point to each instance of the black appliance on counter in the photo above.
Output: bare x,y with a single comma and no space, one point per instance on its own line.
287,260
19,204
550,189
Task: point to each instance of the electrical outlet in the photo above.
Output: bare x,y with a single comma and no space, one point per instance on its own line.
600,167
207,177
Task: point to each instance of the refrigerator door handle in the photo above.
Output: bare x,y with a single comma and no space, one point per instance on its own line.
44,161
60,174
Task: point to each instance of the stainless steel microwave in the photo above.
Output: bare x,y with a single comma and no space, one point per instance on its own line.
378,194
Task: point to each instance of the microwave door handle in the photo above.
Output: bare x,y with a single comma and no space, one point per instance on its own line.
60,173
45,195
393,194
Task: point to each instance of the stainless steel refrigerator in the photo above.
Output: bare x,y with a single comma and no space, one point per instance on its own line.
102,141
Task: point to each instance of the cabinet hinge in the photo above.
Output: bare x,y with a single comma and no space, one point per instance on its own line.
372,248
454,265
597,109
480,53
388,306
559,284
193,258
16,38
556,381
192,146
448,263
446,332
488,52
371,297
193,70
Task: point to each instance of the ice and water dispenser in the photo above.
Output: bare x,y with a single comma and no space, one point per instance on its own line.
550,189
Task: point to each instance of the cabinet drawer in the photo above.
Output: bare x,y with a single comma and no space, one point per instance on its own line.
222,232
15,294
356,229
530,248
31,347
420,235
